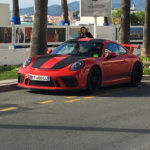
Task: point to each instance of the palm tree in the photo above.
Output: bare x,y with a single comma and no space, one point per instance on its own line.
39,32
65,19
124,35
146,40
15,16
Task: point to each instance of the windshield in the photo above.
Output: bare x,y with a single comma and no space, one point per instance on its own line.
83,48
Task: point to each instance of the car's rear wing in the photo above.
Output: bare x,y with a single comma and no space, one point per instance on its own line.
130,47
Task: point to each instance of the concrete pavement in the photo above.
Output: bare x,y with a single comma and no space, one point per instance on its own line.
114,118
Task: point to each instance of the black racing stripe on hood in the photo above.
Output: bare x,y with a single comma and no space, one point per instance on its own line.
67,61
41,60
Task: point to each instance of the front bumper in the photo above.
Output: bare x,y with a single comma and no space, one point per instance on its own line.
58,80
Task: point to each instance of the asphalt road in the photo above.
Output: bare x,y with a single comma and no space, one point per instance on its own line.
115,118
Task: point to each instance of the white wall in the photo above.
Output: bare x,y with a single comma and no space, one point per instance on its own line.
13,57
106,32
90,20
4,14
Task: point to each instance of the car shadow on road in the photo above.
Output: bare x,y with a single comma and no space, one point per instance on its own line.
61,92
74,128
121,90
125,90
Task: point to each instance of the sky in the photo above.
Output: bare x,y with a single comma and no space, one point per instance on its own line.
30,3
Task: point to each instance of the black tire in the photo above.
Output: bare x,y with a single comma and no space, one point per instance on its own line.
94,80
136,75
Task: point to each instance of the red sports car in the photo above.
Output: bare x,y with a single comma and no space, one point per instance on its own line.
82,64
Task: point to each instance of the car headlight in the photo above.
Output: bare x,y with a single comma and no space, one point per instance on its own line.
77,65
27,62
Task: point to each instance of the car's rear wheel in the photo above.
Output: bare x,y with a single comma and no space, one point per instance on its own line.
136,75
94,80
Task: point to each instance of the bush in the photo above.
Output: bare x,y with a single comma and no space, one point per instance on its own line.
146,71
145,58
8,72
7,68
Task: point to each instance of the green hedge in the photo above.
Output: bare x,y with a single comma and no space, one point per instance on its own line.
8,72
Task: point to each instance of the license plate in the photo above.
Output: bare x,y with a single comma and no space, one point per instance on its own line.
39,78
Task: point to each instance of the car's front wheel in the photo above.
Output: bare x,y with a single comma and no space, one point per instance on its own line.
94,79
136,75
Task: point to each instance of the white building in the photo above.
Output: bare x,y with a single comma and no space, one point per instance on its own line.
26,18
4,14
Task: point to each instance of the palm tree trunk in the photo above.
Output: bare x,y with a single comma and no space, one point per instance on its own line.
39,32
124,35
146,39
15,16
65,18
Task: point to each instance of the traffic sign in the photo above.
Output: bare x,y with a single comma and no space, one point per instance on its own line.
95,8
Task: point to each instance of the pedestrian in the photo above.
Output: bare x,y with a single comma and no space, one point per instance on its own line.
83,33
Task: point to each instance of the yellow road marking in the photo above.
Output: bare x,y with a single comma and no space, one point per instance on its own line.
68,97
45,102
8,109
74,100
88,97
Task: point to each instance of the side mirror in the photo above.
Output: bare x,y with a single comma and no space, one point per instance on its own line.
110,55
49,51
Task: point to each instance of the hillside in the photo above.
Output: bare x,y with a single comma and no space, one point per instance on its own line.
55,10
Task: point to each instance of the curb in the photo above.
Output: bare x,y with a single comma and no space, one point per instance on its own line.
146,77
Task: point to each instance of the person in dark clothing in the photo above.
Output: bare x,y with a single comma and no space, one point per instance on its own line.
83,33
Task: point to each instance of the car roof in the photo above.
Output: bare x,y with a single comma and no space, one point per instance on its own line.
87,39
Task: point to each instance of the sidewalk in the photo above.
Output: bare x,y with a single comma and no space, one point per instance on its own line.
6,85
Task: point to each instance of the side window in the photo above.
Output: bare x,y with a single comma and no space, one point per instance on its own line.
98,48
122,50
95,48
111,47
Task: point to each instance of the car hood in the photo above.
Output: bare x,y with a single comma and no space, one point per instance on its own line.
55,61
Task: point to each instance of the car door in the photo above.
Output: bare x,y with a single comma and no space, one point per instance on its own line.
122,54
114,68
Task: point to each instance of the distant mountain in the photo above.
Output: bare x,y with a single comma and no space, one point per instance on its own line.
73,6
55,10
28,10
